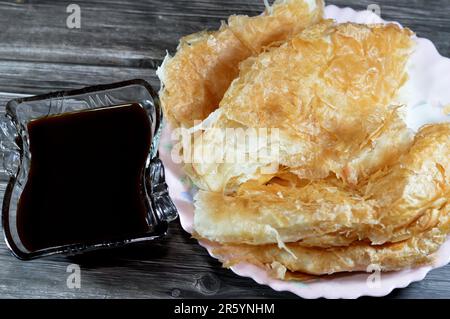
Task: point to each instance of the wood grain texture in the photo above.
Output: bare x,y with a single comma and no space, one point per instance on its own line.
124,39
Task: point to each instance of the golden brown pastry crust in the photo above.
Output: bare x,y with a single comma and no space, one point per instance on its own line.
359,256
354,187
397,203
318,117
196,78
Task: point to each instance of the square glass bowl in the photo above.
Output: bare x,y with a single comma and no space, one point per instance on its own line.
16,157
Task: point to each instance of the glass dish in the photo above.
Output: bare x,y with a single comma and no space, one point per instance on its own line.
16,157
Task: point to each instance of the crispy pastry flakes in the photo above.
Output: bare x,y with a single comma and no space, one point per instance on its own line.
196,78
315,89
398,202
352,185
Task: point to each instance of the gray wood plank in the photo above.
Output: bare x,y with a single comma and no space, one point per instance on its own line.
42,77
138,33
127,33
172,267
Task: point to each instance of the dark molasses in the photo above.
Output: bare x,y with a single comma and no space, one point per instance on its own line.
85,183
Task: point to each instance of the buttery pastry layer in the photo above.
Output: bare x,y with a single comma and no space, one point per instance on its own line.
413,252
196,78
349,185
328,91
397,202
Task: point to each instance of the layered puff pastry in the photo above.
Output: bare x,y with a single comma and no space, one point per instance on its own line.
350,184
314,89
394,204
196,78
358,256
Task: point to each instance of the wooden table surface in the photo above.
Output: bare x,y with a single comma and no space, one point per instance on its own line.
125,39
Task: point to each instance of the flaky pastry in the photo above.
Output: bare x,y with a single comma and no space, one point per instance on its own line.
396,203
315,89
352,186
196,78
359,256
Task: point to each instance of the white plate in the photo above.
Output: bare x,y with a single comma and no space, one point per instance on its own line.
426,94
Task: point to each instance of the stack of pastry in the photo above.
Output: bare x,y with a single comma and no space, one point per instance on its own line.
353,185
